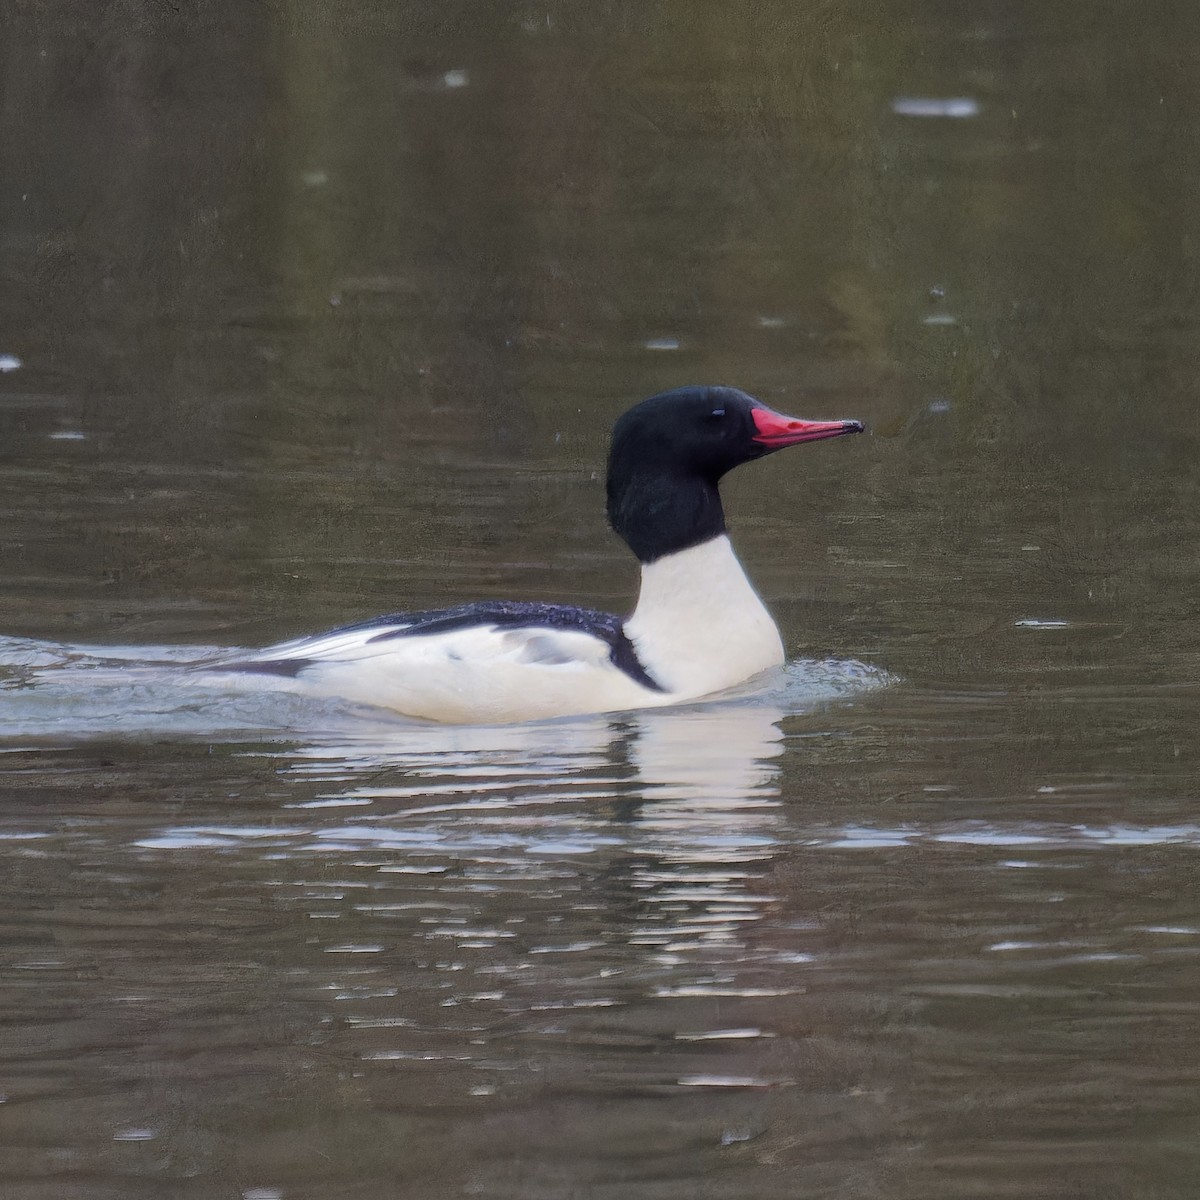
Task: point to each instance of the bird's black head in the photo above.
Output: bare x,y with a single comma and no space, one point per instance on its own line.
669,453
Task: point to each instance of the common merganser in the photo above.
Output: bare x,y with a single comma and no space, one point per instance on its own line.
698,627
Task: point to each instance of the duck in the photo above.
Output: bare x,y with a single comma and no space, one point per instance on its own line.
698,627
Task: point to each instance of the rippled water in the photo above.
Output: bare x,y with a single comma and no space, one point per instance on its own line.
312,315
808,951
631,953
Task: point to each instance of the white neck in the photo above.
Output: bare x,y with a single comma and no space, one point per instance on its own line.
699,626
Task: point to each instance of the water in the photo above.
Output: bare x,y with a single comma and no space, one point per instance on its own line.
308,316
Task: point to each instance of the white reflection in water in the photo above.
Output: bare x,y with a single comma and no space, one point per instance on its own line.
1027,834
717,1035
135,1135
956,107
728,1081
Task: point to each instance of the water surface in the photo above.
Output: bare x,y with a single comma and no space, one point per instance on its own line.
311,315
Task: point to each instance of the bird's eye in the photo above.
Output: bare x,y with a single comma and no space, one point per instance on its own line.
718,412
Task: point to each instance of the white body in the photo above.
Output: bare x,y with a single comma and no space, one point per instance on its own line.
699,628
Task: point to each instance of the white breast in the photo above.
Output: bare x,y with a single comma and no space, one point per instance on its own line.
699,626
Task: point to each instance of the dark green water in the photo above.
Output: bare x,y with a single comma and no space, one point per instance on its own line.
309,313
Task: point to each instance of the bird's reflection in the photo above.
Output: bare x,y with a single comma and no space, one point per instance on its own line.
718,753
702,761
662,821
660,818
